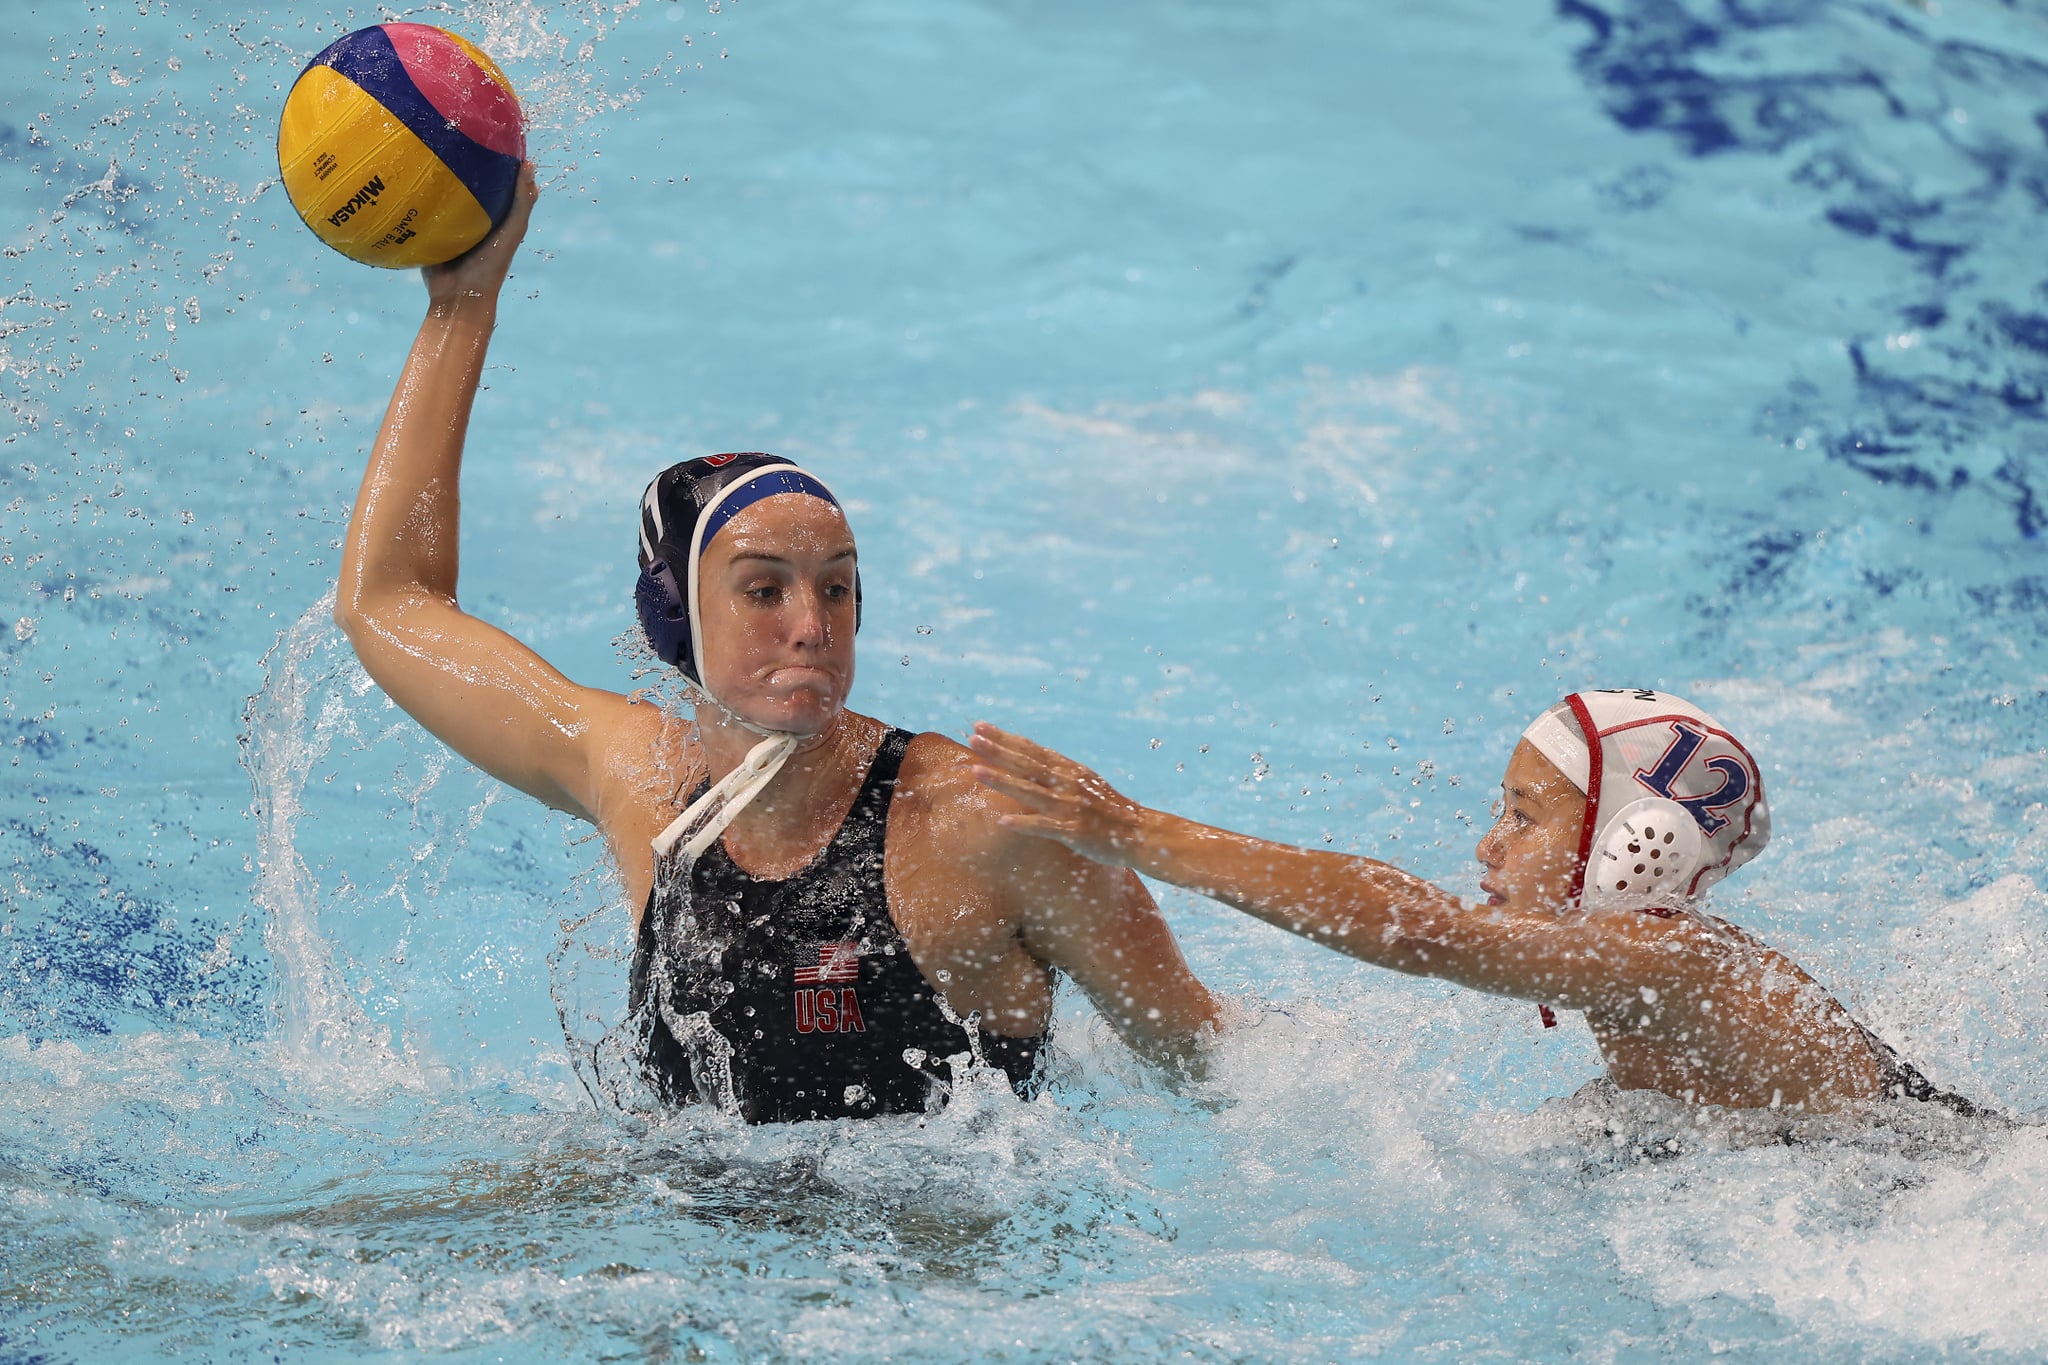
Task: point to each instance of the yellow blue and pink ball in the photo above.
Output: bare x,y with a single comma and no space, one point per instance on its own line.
400,145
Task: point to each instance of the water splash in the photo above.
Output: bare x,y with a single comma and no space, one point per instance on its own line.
322,1029
589,973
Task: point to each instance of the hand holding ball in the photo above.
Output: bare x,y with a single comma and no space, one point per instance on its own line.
400,145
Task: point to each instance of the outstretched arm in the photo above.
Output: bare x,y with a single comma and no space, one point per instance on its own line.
485,694
1101,927
1359,906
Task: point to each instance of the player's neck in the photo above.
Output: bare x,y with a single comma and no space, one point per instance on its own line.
814,785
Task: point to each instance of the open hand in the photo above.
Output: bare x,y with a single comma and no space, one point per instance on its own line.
480,271
1062,800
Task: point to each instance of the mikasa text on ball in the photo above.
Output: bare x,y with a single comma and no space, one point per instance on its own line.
400,145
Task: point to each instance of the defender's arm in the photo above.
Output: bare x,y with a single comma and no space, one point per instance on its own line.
1367,909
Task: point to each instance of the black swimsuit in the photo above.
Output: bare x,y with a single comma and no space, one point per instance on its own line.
1903,1081
798,999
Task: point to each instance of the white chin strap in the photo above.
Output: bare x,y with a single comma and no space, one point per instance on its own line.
710,814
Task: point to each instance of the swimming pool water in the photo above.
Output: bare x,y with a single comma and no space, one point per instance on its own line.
1275,406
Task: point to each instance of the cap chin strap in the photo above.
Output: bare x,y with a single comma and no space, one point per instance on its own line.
710,814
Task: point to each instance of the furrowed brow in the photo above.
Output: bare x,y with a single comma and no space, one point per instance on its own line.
769,557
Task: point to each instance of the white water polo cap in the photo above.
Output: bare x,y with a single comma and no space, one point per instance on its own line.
1674,803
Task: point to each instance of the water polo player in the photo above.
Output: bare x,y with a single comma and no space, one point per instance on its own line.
1619,808
835,907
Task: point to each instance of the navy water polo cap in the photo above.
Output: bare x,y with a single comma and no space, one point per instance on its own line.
683,509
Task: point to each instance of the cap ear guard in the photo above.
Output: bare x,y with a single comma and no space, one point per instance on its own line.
663,617
1651,849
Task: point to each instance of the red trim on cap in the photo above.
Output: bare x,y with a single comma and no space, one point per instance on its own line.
1591,733
1584,715
1756,798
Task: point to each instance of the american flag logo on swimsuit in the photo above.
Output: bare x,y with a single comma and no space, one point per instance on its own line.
837,962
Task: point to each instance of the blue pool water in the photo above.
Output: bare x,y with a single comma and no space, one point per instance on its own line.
1274,405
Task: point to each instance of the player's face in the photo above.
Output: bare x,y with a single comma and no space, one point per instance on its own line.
1532,850
775,597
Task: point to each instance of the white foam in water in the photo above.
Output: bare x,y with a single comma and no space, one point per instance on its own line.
1976,969
1924,1253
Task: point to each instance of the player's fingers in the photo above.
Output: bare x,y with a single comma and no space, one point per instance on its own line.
1040,826
1022,790
1051,758
1011,751
512,231
1054,767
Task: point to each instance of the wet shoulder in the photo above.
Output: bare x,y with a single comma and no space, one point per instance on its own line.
1706,940
938,798
1727,939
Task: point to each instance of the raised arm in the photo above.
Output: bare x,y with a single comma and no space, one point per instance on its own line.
1368,909
485,694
